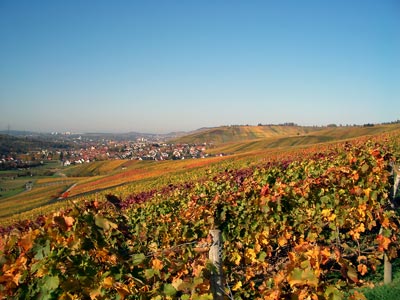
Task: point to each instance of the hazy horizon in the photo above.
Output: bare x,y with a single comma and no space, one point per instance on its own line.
188,131
165,66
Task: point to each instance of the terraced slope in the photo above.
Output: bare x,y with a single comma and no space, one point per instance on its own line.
227,134
314,137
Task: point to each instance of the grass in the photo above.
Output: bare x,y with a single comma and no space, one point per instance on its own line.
11,187
15,198
31,199
96,168
384,292
140,171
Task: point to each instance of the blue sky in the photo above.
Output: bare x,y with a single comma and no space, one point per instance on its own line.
161,66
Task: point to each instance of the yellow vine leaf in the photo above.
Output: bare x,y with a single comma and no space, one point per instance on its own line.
263,238
108,282
325,255
273,295
332,217
362,269
94,294
250,254
257,247
249,274
157,264
279,278
367,191
386,222
102,254
41,271
292,256
306,295
362,209
236,258
326,212
237,286
26,242
197,269
282,241
355,233
383,242
16,278
122,290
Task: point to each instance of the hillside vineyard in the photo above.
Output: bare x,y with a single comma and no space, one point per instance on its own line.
311,223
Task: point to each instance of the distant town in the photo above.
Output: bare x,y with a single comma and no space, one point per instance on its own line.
22,149
141,149
73,149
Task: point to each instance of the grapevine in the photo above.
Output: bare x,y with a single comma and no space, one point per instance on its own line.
310,224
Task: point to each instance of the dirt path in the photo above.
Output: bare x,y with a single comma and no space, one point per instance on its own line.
66,191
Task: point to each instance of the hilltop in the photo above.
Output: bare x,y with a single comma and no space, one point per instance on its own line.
237,133
17,144
245,138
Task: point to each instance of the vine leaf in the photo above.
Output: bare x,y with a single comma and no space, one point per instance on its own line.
383,242
169,289
302,277
103,223
352,274
137,259
362,269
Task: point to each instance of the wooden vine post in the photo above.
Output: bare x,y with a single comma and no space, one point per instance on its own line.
214,255
387,271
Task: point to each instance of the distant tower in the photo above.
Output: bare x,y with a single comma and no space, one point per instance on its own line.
8,129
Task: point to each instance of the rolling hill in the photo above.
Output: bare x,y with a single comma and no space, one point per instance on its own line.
239,139
15,144
225,134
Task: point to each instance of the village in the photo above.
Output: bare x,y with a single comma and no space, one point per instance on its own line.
138,150
82,149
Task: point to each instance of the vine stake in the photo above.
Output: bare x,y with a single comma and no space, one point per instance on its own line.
214,255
